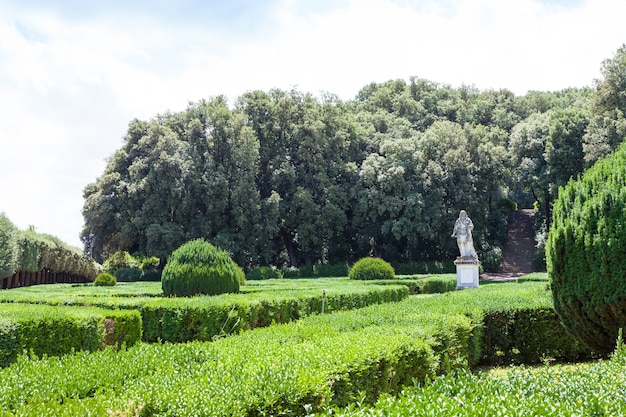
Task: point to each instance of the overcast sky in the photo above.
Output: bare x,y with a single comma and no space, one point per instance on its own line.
74,74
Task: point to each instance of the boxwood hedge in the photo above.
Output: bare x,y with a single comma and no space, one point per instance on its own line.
46,330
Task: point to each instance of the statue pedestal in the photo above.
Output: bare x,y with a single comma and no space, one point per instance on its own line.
466,272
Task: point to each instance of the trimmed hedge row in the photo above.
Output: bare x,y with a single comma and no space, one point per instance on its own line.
324,359
207,318
341,270
518,326
290,369
427,284
203,319
590,389
46,330
28,252
424,267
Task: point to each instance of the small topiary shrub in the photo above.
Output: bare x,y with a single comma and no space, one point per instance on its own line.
371,268
198,267
586,253
105,280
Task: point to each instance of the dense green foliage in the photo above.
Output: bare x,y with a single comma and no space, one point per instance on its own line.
593,389
287,179
30,252
586,253
608,124
265,272
370,269
44,330
105,280
292,369
198,267
128,268
424,267
206,318
8,247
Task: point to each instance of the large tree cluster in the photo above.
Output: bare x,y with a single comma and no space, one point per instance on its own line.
285,178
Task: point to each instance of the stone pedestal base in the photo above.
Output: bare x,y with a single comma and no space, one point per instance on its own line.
466,273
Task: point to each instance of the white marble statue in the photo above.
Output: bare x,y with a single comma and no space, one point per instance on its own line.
463,234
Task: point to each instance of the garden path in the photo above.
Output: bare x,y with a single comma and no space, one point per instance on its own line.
517,256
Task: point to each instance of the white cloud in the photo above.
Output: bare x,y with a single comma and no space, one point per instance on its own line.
69,87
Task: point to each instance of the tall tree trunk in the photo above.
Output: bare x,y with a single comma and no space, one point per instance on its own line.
291,249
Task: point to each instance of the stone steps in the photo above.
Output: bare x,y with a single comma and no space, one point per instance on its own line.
517,255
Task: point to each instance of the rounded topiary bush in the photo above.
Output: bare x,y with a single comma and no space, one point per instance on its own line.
586,253
105,280
371,268
197,267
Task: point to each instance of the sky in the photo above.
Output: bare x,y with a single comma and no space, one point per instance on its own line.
74,73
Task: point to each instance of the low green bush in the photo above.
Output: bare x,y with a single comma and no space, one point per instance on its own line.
370,269
45,330
290,272
149,263
589,389
316,271
302,272
128,268
105,280
119,260
413,285
153,275
424,267
264,272
127,274
425,284
438,284
124,266
198,267
330,270
491,258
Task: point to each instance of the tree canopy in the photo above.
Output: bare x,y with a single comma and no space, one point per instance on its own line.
287,178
